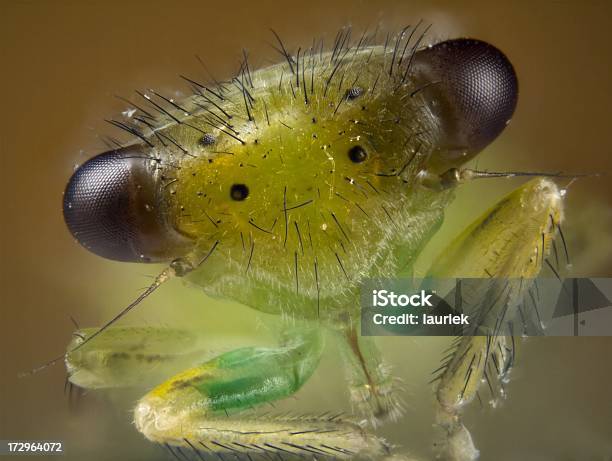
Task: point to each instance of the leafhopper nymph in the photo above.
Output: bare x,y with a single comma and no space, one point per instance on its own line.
283,189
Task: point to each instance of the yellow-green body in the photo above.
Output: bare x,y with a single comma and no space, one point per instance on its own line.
290,186
314,223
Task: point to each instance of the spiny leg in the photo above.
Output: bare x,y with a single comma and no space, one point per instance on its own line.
126,357
503,251
190,410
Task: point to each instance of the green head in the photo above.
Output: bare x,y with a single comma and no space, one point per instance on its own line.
285,187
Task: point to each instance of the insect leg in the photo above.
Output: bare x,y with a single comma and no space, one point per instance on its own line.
127,357
502,253
373,389
192,407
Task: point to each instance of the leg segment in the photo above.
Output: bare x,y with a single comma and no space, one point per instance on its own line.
190,410
504,250
373,389
125,357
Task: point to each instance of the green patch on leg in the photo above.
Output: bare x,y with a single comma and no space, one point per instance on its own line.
246,377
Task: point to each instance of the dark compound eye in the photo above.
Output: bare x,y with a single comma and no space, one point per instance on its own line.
475,90
357,154
111,207
207,140
239,192
353,93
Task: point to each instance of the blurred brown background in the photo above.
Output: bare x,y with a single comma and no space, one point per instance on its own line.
61,63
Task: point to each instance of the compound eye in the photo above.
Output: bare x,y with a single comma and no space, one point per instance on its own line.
110,207
475,91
